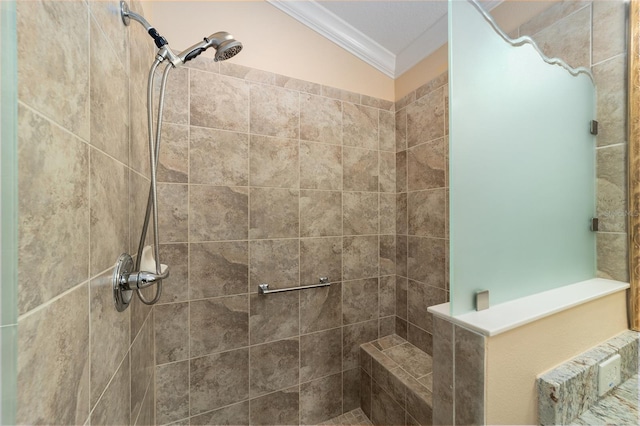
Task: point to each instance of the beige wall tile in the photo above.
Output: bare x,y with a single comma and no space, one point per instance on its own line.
420,338
218,380
612,188
175,288
219,102
321,399
176,101
299,85
432,85
320,119
360,126
320,166
401,255
174,154
387,213
402,225
359,300
117,394
357,253
568,39
360,169
425,118
218,324
387,131
443,374
401,171
351,390
387,299
610,79
387,257
53,162
274,111
109,339
109,99
387,179
218,157
172,332
109,189
116,34
218,213
360,213
420,296
612,256
426,166
401,130
172,383
426,213
275,262
274,162
173,212
55,387
320,213
274,366
274,317
320,257
138,197
352,337
401,298
552,15
218,269
343,95
61,89
142,365
320,354
321,308
426,261
278,408
273,213
246,73
469,376
609,29
236,414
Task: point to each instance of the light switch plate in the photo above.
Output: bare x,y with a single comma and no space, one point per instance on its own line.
609,374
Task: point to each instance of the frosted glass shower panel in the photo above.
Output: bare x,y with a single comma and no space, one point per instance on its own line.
522,165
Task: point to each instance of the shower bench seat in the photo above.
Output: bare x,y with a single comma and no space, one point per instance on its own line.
395,382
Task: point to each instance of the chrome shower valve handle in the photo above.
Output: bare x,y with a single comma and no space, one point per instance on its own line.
125,280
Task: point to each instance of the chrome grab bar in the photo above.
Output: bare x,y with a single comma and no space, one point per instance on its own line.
264,288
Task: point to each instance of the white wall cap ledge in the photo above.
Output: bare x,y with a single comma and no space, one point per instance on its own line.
516,313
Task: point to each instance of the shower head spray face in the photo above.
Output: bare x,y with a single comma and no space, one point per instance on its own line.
224,43
227,50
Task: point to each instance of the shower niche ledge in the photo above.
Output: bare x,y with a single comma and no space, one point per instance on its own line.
517,313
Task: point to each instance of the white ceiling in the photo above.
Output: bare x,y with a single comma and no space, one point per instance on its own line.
390,35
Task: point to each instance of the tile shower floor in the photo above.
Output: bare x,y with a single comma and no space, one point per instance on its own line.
354,417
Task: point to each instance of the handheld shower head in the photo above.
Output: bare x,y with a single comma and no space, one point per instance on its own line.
224,43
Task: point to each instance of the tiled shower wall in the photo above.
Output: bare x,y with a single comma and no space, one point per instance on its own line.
80,200
422,273
270,179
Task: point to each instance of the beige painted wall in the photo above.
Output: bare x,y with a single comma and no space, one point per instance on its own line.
272,41
275,42
514,359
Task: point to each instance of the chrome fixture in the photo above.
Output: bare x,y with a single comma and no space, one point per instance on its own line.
128,277
264,288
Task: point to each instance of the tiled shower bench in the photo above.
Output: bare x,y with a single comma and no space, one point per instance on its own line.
395,383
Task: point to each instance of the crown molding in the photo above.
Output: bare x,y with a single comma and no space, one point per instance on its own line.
341,33
334,28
